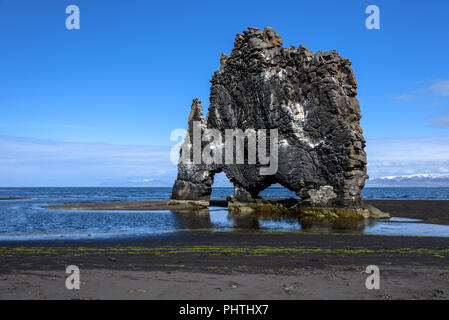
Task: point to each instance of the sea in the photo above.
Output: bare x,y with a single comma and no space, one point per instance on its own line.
23,218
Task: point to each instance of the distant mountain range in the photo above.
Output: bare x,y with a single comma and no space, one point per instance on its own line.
166,181
413,180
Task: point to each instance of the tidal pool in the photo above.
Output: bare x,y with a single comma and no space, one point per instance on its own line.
24,222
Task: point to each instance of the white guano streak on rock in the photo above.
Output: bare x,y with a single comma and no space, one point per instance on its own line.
296,113
270,73
294,109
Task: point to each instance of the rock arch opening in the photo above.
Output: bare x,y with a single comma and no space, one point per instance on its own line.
222,186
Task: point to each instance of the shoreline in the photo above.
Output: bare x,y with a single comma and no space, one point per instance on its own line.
429,211
226,251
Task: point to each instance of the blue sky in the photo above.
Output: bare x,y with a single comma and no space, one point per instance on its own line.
126,79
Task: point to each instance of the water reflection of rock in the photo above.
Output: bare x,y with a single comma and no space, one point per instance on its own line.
244,221
201,219
338,225
195,219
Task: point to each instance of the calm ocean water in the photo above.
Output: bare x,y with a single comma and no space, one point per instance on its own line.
25,219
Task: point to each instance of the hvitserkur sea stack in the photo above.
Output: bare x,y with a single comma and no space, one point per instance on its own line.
310,98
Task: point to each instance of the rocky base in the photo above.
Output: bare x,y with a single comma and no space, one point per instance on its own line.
270,209
195,204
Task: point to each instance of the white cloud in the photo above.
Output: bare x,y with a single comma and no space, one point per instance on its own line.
394,157
434,94
34,162
439,121
440,87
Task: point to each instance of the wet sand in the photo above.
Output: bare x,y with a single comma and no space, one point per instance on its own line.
227,251
430,211
152,205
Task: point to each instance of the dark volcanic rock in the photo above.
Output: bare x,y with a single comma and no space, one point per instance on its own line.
309,98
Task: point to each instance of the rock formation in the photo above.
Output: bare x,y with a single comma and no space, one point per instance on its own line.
310,98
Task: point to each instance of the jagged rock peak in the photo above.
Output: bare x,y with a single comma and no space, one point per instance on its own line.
196,114
257,39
